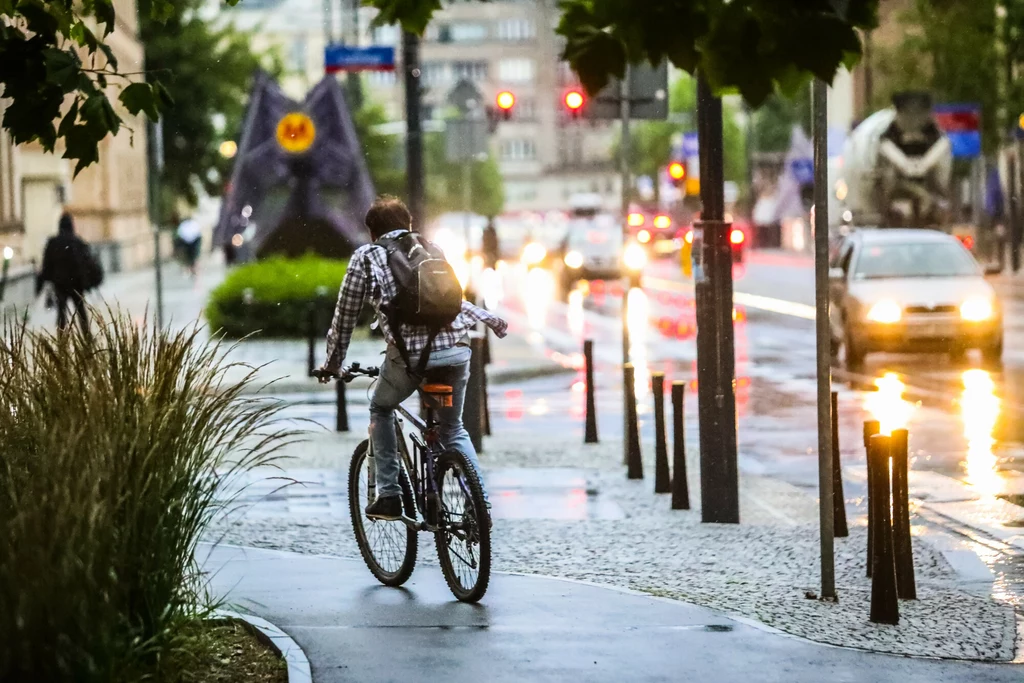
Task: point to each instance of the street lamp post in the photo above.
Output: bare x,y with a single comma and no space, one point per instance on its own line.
414,129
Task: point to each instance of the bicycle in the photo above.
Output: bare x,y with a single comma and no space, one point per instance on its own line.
441,494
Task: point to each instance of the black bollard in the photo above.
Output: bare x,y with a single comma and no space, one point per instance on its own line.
680,490
311,323
839,526
662,479
871,427
487,402
906,586
472,410
634,465
341,423
590,429
884,604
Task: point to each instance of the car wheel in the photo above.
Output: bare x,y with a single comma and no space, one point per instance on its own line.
854,355
992,353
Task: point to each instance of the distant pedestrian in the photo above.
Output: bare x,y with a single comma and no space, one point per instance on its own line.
71,269
190,240
490,245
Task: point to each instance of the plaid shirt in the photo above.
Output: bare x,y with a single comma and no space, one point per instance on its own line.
369,278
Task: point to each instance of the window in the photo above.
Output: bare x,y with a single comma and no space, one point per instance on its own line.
434,73
525,110
473,71
516,70
516,29
468,33
386,35
518,150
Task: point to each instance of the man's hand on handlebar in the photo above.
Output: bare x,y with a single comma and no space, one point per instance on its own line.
323,375
347,373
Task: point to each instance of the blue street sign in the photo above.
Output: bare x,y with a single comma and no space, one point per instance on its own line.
965,144
351,58
691,145
803,170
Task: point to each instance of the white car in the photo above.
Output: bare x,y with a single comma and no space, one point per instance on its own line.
900,290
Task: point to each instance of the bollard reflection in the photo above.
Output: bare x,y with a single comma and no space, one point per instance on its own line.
887,404
637,323
980,408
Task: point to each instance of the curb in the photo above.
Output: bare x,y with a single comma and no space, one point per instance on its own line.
277,640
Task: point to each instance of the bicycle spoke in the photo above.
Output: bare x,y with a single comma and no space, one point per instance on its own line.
387,539
458,527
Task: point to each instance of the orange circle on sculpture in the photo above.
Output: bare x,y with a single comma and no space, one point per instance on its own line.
295,133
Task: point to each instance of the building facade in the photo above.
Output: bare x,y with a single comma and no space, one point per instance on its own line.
108,200
544,155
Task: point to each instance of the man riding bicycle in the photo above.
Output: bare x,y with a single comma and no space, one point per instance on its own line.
440,353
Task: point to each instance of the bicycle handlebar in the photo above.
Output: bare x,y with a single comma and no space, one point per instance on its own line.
347,374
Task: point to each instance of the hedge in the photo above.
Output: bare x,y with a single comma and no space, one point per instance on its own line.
281,292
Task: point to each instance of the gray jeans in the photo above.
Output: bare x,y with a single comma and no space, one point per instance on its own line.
451,367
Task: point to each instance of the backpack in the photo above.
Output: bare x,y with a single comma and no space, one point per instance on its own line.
92,269
428,294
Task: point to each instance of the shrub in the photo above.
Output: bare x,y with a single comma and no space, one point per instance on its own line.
282,290
116,452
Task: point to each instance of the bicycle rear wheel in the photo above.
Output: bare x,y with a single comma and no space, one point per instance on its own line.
388,548
463,535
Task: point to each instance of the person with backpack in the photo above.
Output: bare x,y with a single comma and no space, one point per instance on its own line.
426,323
71,269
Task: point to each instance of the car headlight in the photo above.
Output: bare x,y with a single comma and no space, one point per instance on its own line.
534,253
976,309
885,311
634,257
574,259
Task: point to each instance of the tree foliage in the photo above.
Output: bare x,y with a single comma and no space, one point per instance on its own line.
750,46
207,71
446,181
59,75
772,125
384,155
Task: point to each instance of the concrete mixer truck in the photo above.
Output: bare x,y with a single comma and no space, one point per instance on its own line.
895,171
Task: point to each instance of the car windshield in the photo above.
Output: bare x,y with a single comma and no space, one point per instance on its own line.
598,236
914,259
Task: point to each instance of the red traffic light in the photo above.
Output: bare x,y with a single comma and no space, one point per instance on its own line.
676,171
505,100
574,101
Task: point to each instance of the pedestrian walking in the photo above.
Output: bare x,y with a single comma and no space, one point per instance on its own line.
489,242
71,270
190,240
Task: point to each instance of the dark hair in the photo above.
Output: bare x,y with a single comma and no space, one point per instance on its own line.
66,224
387,214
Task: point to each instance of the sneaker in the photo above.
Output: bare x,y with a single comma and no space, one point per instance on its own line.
388,508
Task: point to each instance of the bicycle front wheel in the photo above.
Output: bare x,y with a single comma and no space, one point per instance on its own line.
388,548
463,535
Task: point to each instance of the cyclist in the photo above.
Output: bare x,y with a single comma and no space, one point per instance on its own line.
369,278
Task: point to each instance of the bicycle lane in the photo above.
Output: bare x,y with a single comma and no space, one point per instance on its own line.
528,628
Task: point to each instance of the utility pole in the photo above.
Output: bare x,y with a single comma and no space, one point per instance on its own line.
819,114
624,153
413,130
716,357
354,81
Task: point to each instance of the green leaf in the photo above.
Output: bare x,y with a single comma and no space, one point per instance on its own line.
99,116
595,56
81,144
40,21
164,99
109,54
162,10
139,97
62,68
413,15
69,119
105,14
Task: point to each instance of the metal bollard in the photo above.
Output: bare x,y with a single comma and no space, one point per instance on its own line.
662,478
311,322
631,440
839,526
341,423
884,604
590,429
871,428
487,402
906,586
472,410
680,490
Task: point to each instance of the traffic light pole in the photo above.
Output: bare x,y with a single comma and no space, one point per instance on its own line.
413,130
716,359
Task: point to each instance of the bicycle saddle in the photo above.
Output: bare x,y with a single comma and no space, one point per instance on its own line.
442,392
